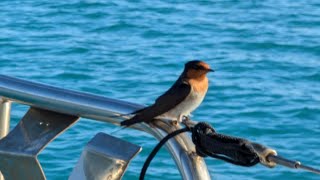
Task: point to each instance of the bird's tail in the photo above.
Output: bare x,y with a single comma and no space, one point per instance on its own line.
131,121
125,124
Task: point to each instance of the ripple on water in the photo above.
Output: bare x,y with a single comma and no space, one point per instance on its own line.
75,76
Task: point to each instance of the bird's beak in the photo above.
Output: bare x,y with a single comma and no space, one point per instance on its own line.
210,70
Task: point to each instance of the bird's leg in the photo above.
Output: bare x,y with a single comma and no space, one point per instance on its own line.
151,124
180,118
187,121
175,121
185,118
165,120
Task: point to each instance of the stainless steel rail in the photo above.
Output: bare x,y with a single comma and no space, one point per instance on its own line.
103,109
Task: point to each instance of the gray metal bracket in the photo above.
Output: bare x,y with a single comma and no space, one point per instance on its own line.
104,157
20,148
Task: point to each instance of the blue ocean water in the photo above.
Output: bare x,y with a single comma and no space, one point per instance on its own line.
266,55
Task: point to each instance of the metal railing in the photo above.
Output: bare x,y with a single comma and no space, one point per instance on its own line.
98,108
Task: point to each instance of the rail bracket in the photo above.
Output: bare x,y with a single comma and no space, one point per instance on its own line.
104,157
20,148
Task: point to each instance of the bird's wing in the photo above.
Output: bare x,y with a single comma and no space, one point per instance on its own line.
175,95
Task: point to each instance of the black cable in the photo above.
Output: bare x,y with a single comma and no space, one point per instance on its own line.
227,148
209,143
157,148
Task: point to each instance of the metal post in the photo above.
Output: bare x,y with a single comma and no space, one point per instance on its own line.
5,107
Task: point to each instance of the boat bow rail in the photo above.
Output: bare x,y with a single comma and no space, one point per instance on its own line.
68,105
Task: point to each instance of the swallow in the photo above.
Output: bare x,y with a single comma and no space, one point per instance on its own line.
184,96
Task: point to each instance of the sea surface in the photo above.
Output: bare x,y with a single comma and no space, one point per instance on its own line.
266,55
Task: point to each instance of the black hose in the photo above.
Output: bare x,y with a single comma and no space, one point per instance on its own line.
157,148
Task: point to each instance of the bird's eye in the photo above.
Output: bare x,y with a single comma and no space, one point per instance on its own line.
197,67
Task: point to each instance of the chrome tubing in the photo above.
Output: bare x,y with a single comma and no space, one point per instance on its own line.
103,109
5,107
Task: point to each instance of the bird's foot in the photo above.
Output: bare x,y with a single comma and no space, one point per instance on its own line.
186,118
174,122
187,121
152,125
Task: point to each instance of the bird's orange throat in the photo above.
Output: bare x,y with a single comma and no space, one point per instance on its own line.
199,85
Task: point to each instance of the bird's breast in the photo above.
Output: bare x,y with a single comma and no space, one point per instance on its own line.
200,86
192,101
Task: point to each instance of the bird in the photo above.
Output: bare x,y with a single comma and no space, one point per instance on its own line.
184,96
